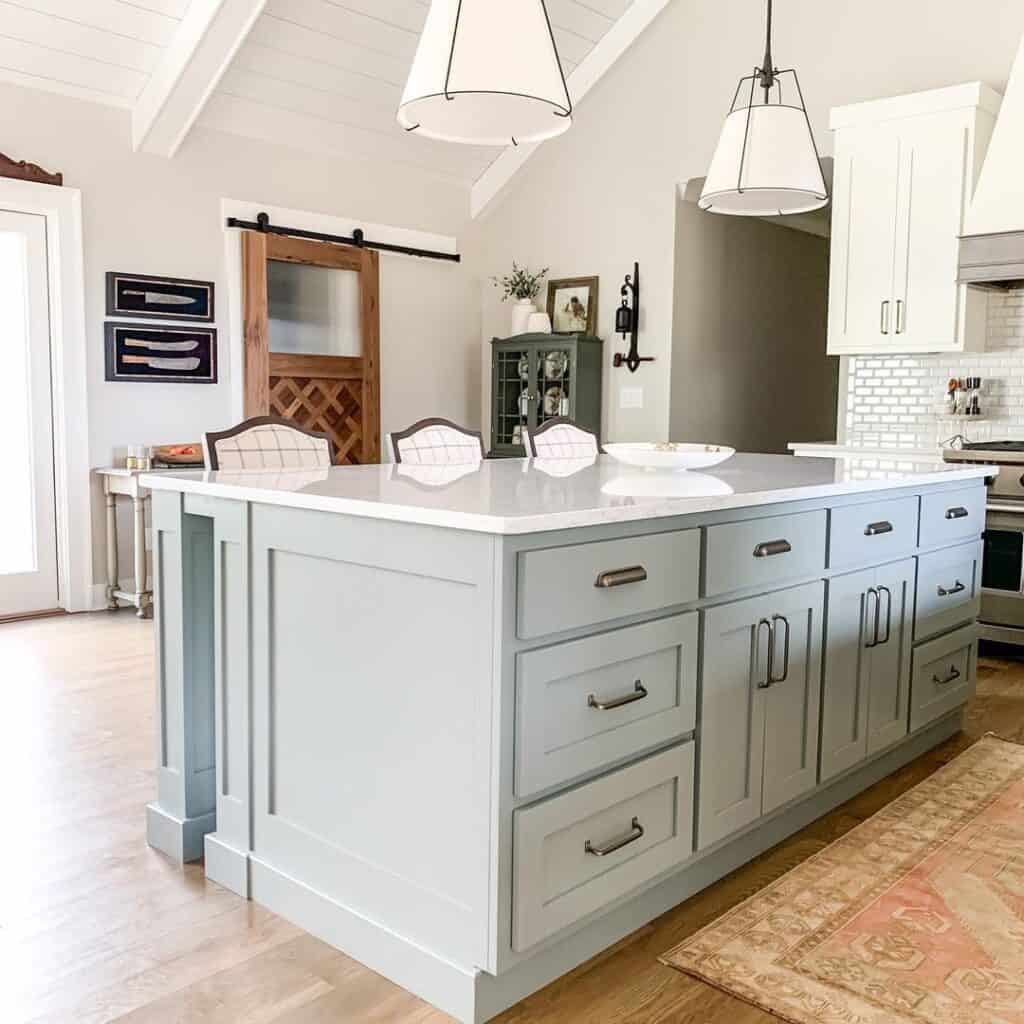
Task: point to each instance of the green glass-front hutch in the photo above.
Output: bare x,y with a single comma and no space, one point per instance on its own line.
536,377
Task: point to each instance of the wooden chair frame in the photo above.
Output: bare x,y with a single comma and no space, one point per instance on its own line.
212,437
433,421
558,421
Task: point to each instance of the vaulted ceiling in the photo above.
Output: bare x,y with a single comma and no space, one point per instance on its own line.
320,75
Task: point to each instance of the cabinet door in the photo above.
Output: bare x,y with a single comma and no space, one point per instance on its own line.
861,313
933,160
510,405
793,705
732,714
844,709
889,696
555,376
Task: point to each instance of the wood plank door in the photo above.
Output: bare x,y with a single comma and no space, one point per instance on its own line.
312,338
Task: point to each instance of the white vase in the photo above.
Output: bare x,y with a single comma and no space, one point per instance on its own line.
521,314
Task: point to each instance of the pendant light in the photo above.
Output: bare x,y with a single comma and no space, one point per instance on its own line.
486,72
766,163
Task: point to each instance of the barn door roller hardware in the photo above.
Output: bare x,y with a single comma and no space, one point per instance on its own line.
357,238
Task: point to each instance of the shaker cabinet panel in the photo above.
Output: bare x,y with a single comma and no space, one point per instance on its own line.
759,707
889,696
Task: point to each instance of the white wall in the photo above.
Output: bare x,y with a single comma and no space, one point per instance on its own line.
603,195
146,214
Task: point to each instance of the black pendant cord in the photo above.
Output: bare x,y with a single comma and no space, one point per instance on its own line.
357,239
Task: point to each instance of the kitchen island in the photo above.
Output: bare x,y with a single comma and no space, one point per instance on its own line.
472,725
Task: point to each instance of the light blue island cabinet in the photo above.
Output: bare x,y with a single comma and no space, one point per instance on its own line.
474,725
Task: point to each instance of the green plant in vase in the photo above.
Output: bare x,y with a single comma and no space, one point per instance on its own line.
523,285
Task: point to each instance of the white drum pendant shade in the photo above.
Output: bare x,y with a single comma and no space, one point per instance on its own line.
486,72
776,172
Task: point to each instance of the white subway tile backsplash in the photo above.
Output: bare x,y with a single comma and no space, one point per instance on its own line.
894,401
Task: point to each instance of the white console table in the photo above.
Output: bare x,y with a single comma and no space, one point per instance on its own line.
120,481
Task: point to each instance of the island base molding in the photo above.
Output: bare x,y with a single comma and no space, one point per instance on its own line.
181,839
474,996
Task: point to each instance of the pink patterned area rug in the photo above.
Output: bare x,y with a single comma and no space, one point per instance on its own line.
916,916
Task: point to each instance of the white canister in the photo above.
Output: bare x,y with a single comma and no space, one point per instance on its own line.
538,323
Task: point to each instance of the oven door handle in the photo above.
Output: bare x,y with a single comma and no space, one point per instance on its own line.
1017,509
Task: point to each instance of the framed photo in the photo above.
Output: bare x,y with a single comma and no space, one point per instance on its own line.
159,298
147,352
572,305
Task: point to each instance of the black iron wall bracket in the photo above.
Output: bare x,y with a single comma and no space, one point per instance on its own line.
627,322
357,238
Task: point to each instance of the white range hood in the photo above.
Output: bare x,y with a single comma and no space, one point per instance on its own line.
992,246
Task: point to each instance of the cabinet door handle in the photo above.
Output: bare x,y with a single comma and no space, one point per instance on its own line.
639,692
900,318
888,615
772,547
763,684
772,680
957,588
954,674
620,577
884,325
636,832
956,513
875,529
869,593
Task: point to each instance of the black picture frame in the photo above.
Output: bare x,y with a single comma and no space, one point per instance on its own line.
132,295
129,349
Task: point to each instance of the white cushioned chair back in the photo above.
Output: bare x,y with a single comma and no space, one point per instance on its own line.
564,441
437,444
272,446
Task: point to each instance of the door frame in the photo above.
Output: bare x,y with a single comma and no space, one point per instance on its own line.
62,210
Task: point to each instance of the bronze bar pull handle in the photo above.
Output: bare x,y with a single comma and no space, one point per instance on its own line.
620,577
872,592
954,674
884,325
876,529
639,692
785,652
901,320
888,615
767,681
636,832
956,513
772,547
957,588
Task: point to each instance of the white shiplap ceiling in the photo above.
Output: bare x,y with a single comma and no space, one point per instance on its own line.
319,75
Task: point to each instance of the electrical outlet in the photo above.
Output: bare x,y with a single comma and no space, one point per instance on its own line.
631,398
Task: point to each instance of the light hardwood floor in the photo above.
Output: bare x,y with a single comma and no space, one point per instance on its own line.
95,926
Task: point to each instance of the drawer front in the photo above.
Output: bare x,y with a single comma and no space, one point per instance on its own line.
943,677
578,852
951,516
585,584
948,589
764,552
878,531
586,704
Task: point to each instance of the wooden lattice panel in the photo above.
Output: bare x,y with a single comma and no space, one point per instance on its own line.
332,406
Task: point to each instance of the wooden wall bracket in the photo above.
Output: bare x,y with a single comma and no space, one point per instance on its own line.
25,171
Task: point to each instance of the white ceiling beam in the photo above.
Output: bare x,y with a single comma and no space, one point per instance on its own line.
584,77
203,47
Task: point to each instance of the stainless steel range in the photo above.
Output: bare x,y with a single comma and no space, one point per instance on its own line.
1002,576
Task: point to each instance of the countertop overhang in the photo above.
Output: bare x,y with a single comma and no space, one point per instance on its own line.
517,496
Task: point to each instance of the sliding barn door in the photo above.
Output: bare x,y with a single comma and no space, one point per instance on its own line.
312,339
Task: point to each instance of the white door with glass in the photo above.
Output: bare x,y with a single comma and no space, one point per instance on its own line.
28,532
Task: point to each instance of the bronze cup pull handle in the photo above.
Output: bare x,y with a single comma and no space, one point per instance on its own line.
620,577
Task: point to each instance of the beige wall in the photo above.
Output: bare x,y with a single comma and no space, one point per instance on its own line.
603,195
146,214
749,328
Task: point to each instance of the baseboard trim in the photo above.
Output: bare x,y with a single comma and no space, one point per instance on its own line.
225,865
474,996
180,838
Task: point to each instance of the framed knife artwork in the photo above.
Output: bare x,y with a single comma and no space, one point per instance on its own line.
148,352
159,298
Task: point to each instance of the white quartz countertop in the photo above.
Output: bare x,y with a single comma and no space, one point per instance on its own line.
516,496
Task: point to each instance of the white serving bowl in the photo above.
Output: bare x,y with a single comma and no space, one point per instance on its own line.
648,455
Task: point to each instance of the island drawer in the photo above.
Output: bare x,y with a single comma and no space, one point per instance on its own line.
582,850
943,675
948,589
951,516
874,532
764,552
585,584
585,704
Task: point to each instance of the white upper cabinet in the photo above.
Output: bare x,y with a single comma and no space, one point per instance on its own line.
905,170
